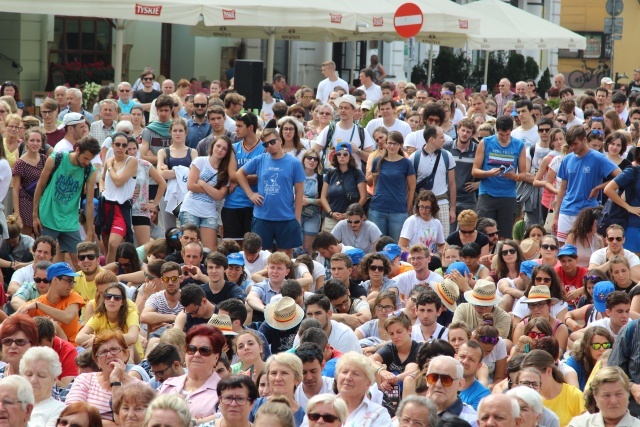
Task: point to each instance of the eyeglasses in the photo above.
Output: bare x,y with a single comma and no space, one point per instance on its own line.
20,342
288,129
120,144
313,159
508,252
489,340
536,304
406,421
39,280
491,234
90,257
124,90
114,297
357,221
549,247
445,379
113,351
204,350
564,122
546,280
536,335
240,400
617,239
173,279
467,231
160,372
598,346
384,307
376,267
545,130
43,112
198,105
325,113
13,127
531,384
394,143
593,278
424,208
344,303
265,144
192,312
314,416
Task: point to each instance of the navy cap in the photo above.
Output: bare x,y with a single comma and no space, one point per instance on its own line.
60,269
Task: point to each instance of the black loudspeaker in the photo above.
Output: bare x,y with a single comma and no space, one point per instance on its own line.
248,82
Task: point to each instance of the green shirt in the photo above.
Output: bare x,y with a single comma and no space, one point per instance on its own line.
61,199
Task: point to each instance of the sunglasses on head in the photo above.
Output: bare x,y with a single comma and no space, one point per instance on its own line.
114,297
445,379
536,335
508,252
204,350
593,278
489,340
314,416
598,346
39,280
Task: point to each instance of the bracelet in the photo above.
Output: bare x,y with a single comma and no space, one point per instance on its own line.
380,369
331,214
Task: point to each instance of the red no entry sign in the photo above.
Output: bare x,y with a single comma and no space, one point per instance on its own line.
408,20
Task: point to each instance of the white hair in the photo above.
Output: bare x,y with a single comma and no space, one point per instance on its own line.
45,354
331,399
24,391
515,407
423,402
448,359
127,84
124,126
529,396
60,88
75,91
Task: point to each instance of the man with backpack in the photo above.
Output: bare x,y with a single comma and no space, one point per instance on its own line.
344,131
57,197
435,171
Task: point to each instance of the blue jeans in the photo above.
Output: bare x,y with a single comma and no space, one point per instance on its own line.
389,223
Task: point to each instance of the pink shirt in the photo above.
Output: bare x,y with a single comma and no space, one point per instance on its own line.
202,402
86,388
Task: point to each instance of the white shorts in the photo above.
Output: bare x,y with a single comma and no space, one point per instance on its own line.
565,224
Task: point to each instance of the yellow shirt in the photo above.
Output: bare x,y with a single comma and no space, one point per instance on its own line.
86,289
566,405
101,323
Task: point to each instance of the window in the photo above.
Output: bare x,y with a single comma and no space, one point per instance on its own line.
598,47
84,40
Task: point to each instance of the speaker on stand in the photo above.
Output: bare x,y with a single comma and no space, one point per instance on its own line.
248,82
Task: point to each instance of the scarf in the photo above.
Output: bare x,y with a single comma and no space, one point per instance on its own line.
160,128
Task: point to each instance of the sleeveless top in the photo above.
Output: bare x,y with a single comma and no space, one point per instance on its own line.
120,194
172,162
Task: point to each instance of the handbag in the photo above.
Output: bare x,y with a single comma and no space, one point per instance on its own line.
309,210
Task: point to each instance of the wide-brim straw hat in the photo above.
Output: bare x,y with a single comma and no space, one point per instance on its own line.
483,294
448,292
222,322
283,314
539,293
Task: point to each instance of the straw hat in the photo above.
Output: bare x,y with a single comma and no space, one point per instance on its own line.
483,294
530,249
222,322
448,292
539,293
283,314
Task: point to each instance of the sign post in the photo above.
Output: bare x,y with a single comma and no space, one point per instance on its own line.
408,20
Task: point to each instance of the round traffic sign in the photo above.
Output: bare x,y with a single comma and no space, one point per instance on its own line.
408,20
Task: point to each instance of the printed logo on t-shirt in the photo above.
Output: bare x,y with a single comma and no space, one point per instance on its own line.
66,189
497,158
271,186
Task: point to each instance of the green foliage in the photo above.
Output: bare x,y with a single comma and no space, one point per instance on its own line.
419,73
515,68
449,66
497,61
531,69
544,84
76,73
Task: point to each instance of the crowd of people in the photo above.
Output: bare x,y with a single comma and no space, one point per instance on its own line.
367,256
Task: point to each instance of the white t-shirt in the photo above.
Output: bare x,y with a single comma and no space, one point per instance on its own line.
301,397
23,275
323,261
605,323
539,153
63,146
374,93
398,125
425,168
342,135
259,264
266,111
429,233
577,121
457,116
576,112
441,333
229,124
521,309
499,352
417,141
529,137
407,280
326,86
202,205
599,257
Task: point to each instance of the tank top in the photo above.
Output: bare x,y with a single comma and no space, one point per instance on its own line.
172,162
120,194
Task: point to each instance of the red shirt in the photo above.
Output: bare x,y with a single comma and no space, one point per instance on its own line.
67,353
571,283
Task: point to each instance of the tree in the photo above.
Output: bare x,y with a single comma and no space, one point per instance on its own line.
531,69
450,66
544,84
515,71
495,72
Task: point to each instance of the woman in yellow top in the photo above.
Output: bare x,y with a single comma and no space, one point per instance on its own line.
565,400
112,313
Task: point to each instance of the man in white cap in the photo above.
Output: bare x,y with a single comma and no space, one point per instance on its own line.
75,127
346,130
607,82
481,300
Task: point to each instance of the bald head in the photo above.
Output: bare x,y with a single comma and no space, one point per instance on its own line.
521,88
168,87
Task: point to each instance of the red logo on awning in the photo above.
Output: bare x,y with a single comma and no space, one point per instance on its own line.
228,14
148,10
378,22
463,23
336,18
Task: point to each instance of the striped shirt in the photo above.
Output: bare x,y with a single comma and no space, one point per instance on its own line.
158,302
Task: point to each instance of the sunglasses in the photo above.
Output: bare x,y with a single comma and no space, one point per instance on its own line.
491,234
536,304
39,280
120,144
604,345
314,416
198,105
597,119
204,350
299,116
467,231
344,153
549,247
173,279
114,297
564,122
357,221
265,144
536,335
546,280
445,379
376,267
90,257
148,79
20,342
489,340
124,90
325,113
508,252
313,159
176,236
545,130
617,239
597,132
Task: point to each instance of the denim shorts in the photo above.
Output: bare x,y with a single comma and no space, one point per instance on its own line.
311,224
187,218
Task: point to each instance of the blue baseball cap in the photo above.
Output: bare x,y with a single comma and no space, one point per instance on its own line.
391,251
460,266
342,146
600,292
514,113
235,258
60,269
568,250
527,267
356,255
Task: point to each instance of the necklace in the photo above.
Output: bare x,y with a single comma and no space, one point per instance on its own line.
248,150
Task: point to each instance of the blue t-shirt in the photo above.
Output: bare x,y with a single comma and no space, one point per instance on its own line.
474,394
495,155
583,375
582,174
238,199
126,108
276,180
625,179
391,187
